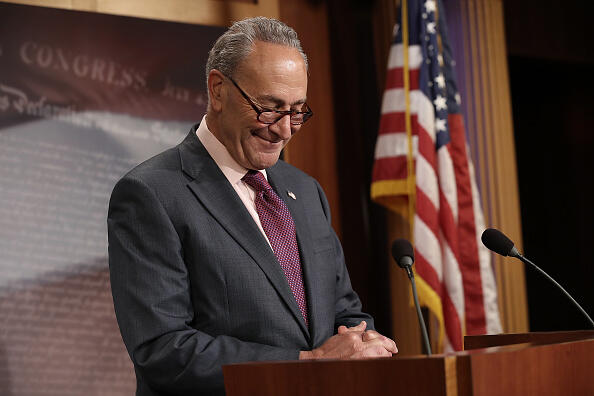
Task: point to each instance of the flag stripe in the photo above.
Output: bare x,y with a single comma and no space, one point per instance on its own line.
428,273
427,180
389,168
453,325
396,60
393,123
393,145
395,78
475,313
427,244
453,280
426,146
448,177
428,212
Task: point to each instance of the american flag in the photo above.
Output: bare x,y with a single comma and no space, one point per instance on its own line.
426,158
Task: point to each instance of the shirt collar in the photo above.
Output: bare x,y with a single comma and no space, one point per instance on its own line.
219,153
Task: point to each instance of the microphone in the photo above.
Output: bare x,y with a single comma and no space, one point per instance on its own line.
404,255
497,242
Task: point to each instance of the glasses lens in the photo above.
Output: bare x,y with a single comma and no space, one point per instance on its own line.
298,118
269,117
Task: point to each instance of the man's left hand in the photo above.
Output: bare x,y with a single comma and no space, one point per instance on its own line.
367,335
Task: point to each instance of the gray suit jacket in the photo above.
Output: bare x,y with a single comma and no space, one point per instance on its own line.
196,285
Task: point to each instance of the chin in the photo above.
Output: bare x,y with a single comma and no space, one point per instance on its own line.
265,161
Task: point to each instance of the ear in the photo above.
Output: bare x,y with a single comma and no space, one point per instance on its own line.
215,89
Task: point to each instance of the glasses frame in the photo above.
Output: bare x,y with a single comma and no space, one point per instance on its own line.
281,113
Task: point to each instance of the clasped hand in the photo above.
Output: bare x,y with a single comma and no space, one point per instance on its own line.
353,343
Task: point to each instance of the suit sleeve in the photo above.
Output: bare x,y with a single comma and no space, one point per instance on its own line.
151,292
348,310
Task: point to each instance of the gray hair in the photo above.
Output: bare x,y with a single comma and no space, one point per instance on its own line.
237,43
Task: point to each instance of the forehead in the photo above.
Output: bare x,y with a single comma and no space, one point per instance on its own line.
271,67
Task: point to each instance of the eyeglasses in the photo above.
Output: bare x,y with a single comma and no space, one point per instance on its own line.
268,116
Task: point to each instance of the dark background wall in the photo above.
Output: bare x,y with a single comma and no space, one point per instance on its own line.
551,64
357,101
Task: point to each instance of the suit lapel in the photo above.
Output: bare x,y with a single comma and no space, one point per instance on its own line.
283,188
213,190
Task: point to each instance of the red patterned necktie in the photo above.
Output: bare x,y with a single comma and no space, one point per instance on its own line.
280,229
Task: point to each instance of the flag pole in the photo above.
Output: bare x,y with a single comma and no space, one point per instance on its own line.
411,185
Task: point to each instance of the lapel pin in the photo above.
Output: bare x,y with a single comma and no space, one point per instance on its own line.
290,194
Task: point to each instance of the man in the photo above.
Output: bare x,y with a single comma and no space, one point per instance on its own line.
219,252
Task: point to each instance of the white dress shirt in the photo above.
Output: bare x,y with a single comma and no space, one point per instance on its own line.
232,170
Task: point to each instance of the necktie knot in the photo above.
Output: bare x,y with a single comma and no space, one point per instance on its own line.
256,180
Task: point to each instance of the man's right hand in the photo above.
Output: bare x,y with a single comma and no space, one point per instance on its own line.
352,343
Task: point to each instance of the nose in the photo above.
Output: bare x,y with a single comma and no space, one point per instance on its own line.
282,127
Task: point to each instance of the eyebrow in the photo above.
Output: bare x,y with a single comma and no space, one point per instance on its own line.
277,101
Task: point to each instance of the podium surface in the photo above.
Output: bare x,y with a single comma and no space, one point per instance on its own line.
561,368
545,337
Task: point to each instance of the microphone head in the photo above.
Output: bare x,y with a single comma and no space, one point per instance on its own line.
403,253
496,241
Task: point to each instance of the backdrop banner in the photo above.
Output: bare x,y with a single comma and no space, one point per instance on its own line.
83,98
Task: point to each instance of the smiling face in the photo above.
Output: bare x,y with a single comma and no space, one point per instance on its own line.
275,77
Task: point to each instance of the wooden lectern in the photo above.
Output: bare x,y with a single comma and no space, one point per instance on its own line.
556,363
